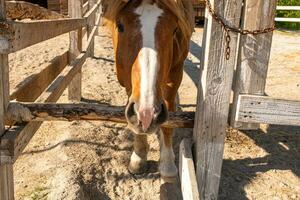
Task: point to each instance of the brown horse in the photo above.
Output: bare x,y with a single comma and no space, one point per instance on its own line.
151,41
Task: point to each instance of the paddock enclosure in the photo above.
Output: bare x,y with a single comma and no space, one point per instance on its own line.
242,73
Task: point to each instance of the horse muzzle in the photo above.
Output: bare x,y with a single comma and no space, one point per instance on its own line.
144,120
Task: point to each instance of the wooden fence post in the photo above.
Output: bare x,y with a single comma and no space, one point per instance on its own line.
254,55
6,170
91,24
75,11
214,96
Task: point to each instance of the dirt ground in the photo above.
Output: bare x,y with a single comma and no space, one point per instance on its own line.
88,160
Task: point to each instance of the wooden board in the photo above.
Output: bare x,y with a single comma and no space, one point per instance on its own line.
91,17
6,170
17,139
75,10
25,34
260,109
214,91
25,112
33,88
254,54
189,186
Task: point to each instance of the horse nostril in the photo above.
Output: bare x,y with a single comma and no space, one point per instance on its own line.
162,114
130,113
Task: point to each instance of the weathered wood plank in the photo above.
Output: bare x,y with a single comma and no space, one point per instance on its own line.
33,88
75,10
214,97
25,34
189,186
85,7
6,182
17,139
25,112
254,54
6,170
90,41
261,109
91,16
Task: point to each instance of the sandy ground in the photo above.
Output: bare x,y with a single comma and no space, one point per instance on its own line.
88,160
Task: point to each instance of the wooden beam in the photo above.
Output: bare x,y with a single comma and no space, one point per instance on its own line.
75,10
91,17
93,7
25,34
85,7
17,138
254,54
33,88
25,112
214,96
90,41
261,109
189,186
6,170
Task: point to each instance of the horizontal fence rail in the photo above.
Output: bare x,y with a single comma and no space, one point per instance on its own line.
26,112
24,34
287,8
19,35
261,109
295,8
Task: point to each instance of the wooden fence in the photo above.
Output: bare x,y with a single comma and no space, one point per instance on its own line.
247,65
46,86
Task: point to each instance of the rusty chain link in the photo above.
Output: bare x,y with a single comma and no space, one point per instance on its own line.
229,29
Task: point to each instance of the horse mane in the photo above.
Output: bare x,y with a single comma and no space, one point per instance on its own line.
182,9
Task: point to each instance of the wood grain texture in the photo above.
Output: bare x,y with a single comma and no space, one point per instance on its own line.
16,140
75,10
213,101
6,170
261,109
254,54
91,17
90,42
33,88
24,112
187,172
25,34
85,7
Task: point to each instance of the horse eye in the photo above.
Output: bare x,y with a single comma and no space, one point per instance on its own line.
120,27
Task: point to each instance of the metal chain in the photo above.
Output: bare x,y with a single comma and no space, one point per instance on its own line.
229,29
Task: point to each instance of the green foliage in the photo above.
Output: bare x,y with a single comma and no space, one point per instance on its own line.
291,14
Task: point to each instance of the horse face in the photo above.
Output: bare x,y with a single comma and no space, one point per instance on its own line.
143,42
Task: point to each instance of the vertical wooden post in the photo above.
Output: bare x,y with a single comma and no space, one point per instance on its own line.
254,54
214,97
75,11
91,24
6,170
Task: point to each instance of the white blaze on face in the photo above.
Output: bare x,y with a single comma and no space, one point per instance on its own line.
148,15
